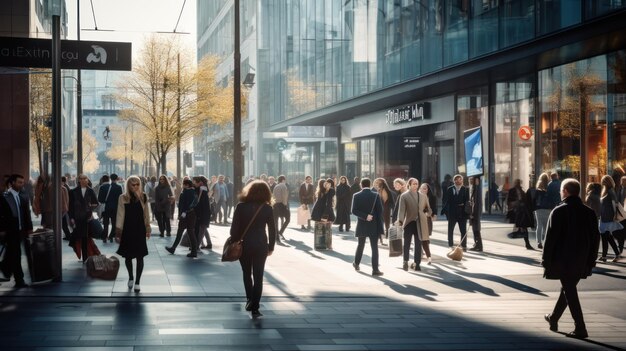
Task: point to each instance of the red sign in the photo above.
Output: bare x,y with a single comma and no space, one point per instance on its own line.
525,132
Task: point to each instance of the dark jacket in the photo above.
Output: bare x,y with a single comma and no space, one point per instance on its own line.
203,210
323,207
594,203
8,214
307,194
256,235
344,201
364,203
186,200
607,207
572,239
110,202
454,207
476,200
81,210
553,193
162,202
355,188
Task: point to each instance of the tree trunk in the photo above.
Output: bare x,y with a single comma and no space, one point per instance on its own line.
163,162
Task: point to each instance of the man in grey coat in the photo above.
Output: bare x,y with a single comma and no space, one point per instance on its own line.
368,208
569,253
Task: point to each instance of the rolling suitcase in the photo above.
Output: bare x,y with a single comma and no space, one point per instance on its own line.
101,267
323,239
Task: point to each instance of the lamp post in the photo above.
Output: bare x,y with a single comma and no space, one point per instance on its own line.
237,152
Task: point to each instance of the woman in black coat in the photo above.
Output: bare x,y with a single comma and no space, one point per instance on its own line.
82,202
254,213
520,212
164,197
344,202
203,212
323,208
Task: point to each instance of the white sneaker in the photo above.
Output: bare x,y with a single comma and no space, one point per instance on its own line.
430,261
137,288
130,283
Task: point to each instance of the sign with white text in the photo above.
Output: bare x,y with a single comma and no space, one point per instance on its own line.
37,53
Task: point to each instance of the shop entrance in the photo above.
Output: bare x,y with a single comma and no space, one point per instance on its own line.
444,159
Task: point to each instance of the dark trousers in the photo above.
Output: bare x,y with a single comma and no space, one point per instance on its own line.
188,223
607,238
13,257
164,222
201,233
452,221
281,211
252,262
361,245
106,220
66,226
410,233
569,297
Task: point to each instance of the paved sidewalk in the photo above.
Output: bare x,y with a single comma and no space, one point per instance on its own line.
314,300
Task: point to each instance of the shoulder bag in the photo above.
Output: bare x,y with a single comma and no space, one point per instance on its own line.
232,249
620,213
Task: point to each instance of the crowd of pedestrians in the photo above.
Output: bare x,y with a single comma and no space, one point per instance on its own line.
127,209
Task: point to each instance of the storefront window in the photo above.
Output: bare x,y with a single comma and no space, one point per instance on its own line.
368,158
616,117
514,136
571,94
350,160
595,8
328,158
432,29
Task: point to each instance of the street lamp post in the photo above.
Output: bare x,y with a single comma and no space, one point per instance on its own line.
237,152
79,105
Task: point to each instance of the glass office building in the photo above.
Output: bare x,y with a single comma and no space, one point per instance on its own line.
388,87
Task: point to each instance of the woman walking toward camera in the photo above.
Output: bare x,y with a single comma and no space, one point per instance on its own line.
252,215
133,228
163,199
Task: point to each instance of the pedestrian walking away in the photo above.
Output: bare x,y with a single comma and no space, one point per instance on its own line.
608,220
569,253
133,229
542,207
254,213
109,195
281,205
456,200
344,201
368,209
187,203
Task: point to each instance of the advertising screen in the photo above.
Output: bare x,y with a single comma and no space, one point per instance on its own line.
473,139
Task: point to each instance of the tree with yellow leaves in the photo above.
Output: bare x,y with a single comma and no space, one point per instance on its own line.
90,155
170,99
40,101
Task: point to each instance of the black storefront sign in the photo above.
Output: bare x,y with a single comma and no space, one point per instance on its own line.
94,55
409,113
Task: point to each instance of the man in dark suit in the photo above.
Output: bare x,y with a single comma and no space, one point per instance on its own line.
368,208
456,197
569,254
16,224
109,195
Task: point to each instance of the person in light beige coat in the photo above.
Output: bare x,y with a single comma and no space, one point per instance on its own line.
413,217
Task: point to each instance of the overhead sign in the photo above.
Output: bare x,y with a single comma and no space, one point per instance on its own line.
37,53
408,113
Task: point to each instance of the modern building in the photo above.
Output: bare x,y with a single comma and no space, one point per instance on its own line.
25,19
389,88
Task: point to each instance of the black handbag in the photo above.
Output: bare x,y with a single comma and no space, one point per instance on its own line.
233,248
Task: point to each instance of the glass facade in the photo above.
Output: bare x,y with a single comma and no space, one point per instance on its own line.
319,53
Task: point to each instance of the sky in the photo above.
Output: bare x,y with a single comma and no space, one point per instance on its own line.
132,20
